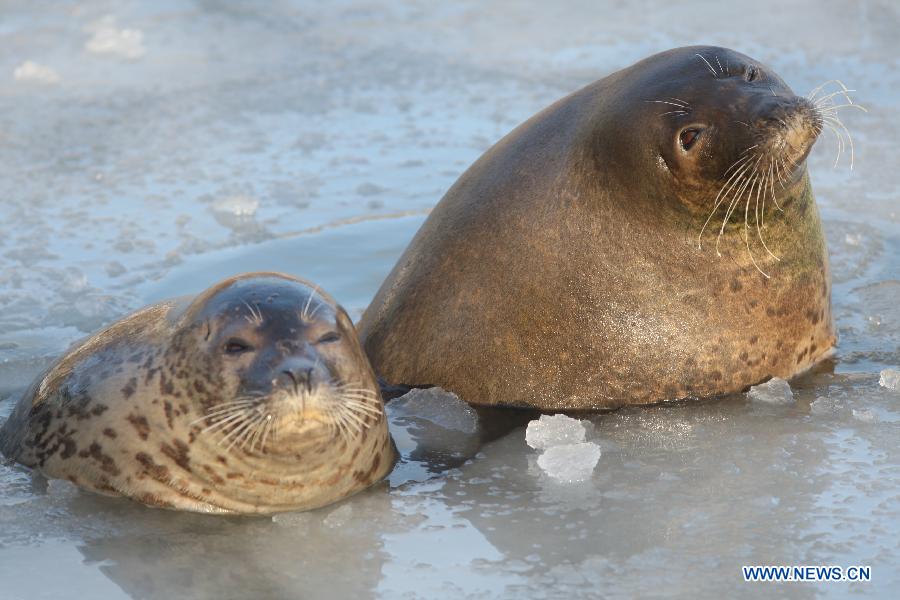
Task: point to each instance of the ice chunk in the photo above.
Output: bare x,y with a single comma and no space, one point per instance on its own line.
339,516
33,72
774,391
864,414
438,406
890,379
109,39
555,430
237,206
434,430
570,463
823,406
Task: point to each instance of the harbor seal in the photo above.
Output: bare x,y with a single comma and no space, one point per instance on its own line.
255,396
652,236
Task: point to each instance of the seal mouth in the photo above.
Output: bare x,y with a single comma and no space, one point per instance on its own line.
787,134
261,423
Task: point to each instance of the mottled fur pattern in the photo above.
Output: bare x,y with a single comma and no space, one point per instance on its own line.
125,413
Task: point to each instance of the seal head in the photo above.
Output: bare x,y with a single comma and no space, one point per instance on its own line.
254,397
651,236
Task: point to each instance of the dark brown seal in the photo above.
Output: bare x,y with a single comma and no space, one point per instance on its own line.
253,397
652,236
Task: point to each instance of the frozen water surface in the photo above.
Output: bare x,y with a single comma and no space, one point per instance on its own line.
148,149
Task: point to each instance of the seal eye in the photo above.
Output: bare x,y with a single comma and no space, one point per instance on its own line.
236,346
688,138
752,73
331,336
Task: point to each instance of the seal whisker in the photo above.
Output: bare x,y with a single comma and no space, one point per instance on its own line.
720,65
666,102
304,314
711,70
736,200
761,223
225,422
839,139
737,174
761,191
816,90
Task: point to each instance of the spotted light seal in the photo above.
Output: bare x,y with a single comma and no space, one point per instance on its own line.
252,397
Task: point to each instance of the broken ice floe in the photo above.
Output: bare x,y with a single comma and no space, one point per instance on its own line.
33,72
774,391
566,457
890,379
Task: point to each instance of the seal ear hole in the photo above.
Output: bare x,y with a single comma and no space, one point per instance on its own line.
752,73
688,137
331,336
236,346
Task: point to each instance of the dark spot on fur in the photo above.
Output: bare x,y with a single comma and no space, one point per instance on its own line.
735,285
130,388
744,356
141,425
168,408
716,375
754,339
99,409
213,475
179,453
69,449
110,433
770,311
156,471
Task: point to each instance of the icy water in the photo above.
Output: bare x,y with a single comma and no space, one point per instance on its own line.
147,150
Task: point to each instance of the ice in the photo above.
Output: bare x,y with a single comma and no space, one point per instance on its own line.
238,206
437,406
30,71
890,379
775,391
339,516
823,406
554,430
865,415
570,463
433,430
109,39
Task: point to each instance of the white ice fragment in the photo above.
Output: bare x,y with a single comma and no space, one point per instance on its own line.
823,406
236,206
774,391
438,406
890,379
338,517
109,39
864,415
33,72
292,519
570,463
555,430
